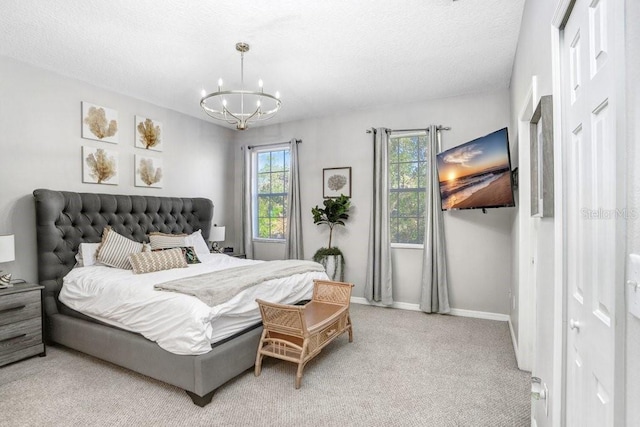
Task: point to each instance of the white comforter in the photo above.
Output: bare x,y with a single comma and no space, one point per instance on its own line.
179,323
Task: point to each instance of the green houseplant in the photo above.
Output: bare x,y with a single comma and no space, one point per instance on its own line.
335,212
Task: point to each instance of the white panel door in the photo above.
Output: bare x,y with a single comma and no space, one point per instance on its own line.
589,138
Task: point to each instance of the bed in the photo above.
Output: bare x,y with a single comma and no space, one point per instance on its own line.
64,220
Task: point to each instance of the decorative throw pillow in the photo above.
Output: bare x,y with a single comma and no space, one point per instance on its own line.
115,249
196,240
148,262
189,254
163,240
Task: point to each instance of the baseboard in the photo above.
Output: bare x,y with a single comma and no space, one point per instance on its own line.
480,314
454,311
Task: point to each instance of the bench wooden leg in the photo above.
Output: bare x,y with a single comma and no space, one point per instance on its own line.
259,356
301,363
350,328
299,374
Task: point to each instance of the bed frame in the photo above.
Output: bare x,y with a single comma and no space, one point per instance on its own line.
64,220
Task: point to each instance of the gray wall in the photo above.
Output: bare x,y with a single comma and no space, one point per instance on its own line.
40,147
478,245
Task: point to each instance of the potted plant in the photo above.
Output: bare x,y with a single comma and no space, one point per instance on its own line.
335,212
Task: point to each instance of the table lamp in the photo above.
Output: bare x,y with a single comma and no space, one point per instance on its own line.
7,254
217,235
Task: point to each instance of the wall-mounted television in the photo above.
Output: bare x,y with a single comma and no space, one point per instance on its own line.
477,174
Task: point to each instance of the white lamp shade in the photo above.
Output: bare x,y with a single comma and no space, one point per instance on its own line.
217,234
7,248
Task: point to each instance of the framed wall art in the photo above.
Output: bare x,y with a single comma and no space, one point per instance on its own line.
541,144
336,181
99,166
99,123
149,172
148,134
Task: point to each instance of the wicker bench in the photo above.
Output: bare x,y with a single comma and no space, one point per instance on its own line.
298,333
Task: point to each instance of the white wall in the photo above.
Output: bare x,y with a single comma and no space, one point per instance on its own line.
534,58
478,245
40,147
535,236
633,200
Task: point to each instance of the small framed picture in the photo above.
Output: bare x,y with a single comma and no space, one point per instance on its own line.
99,166
99,123
148,134
148,172
336,181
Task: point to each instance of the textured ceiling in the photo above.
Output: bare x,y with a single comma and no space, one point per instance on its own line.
324,56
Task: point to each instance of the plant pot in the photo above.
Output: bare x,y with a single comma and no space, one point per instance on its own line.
334,266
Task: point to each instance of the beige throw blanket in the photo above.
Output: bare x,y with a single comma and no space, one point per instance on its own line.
220,286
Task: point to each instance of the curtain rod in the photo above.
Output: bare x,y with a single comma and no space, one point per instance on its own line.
298,141
439,127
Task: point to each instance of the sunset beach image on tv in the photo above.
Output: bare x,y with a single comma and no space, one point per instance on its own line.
477,174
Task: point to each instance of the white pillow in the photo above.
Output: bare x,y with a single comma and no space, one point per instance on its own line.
196,240
86,255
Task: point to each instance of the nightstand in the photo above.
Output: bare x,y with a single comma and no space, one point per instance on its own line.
237,255
21,323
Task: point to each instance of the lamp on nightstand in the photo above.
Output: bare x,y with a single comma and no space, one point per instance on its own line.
7,254
217,235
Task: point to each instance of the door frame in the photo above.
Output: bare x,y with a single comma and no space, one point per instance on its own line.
558,392
527,262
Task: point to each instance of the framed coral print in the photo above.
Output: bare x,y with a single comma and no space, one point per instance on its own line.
148,172
99,166
99,123
148,134
336,181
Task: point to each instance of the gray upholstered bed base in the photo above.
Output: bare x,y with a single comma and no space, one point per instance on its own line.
66,219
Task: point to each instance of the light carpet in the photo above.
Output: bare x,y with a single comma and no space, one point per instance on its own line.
403,369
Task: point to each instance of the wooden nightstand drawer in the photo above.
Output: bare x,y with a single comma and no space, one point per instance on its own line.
21,323
19,335
20,306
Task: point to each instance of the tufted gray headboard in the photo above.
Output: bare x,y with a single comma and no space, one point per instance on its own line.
65,219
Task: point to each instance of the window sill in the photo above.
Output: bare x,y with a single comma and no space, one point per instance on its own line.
406,246
268,241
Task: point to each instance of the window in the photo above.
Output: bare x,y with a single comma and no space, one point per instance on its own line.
271,181
407,179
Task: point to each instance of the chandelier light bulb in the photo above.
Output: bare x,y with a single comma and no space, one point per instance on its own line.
277,95
219,83
258,103
260,83
203,92
224,102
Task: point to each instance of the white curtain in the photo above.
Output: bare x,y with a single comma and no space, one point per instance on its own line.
434,295
293,229
247,224
378,285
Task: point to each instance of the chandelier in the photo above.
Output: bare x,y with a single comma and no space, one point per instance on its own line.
240,107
